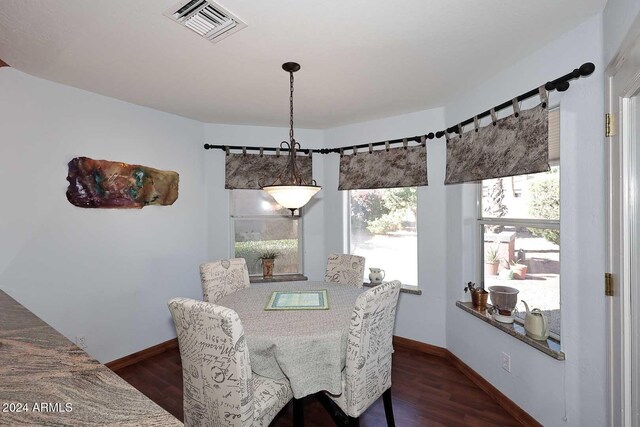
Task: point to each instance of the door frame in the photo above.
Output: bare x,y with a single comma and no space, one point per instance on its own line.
622,83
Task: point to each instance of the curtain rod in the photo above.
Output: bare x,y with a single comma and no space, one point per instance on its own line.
561,84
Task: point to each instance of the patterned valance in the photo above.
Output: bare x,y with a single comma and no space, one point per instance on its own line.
514,146
251,171
396,167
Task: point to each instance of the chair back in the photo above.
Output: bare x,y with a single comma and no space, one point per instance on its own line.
220,278
369,347
215,364
345,269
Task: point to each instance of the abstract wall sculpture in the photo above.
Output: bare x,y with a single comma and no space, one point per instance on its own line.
105,184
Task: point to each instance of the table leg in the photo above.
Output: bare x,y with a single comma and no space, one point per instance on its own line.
298,413
388,408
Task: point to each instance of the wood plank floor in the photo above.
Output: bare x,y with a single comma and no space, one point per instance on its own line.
427,391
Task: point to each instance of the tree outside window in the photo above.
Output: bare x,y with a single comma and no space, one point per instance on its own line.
383,230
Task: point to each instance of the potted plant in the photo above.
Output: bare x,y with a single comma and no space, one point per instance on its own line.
267,258
491,261
478,295
519,270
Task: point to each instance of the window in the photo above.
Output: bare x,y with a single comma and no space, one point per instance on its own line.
382,228
519,221
259,224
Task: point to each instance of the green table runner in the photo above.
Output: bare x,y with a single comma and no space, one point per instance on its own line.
298,300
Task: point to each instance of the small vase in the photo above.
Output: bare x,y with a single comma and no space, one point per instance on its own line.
376,276
267,269
479,299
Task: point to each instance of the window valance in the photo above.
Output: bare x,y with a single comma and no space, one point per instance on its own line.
252,171
389,168
511,146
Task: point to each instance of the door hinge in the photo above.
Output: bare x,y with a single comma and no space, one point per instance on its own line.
608,284
608,125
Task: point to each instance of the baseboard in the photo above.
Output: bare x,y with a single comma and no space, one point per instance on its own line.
422,347
507,404
142,355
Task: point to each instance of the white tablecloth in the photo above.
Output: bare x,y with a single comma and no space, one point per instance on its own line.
306,346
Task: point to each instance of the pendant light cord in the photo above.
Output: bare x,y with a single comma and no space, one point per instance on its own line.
295,178
291,138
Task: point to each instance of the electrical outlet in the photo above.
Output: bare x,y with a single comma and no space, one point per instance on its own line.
81,341
506,362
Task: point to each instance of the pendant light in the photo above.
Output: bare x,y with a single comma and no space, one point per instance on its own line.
290,189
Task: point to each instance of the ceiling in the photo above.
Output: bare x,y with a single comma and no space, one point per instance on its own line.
361,59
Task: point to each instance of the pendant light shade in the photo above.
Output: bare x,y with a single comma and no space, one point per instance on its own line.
290,189
292,196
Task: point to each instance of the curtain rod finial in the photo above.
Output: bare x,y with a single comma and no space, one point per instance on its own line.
586,69
206,146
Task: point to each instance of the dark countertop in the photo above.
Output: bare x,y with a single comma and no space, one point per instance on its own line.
39,365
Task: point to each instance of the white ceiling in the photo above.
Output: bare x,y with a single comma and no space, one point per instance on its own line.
361,59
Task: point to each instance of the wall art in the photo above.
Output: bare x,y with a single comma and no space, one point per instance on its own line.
107,184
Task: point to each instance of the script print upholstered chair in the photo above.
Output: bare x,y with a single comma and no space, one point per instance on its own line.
219,388
367,374
345,269
220,278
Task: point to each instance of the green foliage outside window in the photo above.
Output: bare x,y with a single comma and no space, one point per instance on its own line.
382,211
252,251
366,206
545,203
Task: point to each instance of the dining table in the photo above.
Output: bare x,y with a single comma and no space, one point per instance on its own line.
308,347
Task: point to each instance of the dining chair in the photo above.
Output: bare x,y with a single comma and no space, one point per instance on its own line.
345,269
219,387
367,374
221,278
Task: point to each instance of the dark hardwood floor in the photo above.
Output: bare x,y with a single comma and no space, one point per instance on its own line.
427,391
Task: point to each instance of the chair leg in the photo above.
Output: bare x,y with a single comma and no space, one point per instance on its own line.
388,408
298,413
353,422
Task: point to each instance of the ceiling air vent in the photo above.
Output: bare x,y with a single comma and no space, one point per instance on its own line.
210,20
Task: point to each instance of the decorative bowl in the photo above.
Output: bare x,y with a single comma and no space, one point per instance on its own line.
504,298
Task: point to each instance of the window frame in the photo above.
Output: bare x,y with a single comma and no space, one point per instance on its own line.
232,235
481,221
347,231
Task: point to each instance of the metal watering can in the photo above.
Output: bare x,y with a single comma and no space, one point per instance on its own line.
535,323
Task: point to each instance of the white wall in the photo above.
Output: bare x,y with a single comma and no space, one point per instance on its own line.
573,392
219,233
422,317
618,16
106,274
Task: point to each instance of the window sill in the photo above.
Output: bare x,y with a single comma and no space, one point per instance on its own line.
279,278
551,347
407,289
